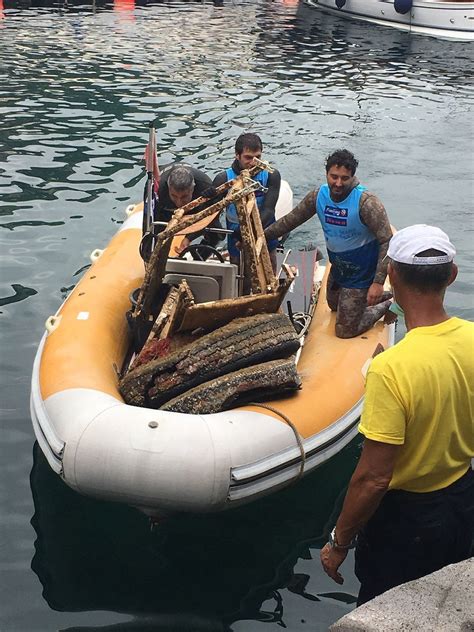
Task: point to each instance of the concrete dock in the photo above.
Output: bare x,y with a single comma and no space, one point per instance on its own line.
440,602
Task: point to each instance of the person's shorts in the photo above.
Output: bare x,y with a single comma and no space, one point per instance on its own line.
232,241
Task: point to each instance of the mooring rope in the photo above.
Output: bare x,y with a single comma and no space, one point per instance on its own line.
295,431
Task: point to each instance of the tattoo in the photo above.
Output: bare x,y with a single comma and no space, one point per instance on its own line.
373,214
300,214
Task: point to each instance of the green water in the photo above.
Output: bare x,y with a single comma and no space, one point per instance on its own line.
78,89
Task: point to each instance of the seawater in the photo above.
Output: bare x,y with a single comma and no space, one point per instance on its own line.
80,83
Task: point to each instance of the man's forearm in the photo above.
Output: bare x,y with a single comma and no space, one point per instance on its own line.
362,499
368,485
374,216
301,213
382,264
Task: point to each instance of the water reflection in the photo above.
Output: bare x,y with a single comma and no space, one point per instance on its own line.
81,81
193,572
342,53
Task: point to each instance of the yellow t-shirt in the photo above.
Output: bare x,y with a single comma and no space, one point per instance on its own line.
419,394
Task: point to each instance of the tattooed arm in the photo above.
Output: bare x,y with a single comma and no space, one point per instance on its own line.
373,214
301,213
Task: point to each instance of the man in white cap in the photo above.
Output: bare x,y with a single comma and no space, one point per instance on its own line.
409,508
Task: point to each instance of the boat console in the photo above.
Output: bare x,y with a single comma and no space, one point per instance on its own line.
208,280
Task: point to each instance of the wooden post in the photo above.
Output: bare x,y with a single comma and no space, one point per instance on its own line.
257,260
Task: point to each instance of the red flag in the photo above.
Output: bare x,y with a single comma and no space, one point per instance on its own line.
151,161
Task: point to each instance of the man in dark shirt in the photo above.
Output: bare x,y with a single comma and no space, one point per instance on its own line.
248,147
357,233
179,185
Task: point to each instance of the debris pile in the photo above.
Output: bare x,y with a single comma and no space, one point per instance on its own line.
245,356
206,357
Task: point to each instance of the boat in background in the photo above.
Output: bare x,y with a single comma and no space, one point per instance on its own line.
452,19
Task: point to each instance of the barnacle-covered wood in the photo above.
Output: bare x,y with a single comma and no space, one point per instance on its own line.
218,313
249,384
241,343
182,219
257,261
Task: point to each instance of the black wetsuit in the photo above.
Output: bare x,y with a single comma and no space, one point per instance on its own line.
267,214
165,207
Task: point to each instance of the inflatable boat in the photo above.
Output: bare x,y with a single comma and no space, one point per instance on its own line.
162,462
452,19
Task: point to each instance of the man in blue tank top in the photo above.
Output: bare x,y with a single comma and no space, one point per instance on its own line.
357,232
248,147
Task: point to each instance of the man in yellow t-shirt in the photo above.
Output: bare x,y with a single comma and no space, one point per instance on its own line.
409,508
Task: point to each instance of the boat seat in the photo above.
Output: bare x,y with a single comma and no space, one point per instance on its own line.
208,280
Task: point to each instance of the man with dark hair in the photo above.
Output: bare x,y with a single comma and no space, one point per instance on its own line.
248,147
357,233
410,502
179,185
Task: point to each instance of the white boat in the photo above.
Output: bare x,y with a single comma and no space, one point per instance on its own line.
164,462
453,19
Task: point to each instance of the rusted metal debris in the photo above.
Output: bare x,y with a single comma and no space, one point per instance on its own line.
224,350
246,385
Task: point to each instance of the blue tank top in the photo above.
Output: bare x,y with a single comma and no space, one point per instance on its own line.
352,248
231,212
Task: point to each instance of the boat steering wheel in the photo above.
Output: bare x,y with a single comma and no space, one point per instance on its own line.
195,249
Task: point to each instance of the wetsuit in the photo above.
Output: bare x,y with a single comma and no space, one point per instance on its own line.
266,203
165,207
347,285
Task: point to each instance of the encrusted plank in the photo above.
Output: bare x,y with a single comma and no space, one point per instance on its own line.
243,342
227,391
258,266
215,314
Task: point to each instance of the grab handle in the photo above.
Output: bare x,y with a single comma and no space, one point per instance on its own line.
95,254
52,323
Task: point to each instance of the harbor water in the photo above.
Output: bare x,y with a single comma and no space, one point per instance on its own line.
80,83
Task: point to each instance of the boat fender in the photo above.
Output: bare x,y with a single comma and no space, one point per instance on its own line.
52,323
403,6
340,3
95,254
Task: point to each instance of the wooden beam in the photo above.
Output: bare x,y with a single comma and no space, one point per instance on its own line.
212,315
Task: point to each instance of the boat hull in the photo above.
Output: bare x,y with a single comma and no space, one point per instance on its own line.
452,20
165,462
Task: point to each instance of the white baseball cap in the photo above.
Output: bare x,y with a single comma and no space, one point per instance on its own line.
407,243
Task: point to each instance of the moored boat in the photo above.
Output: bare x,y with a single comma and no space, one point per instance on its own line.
453,19
162,461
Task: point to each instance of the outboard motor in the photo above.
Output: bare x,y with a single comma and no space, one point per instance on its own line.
403,6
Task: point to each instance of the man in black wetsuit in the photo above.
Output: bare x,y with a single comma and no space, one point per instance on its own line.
248,147
179,185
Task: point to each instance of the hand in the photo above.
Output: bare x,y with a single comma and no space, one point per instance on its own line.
210,192
331,559
184,244
374,293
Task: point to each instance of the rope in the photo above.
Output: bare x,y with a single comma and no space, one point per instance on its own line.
295,431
